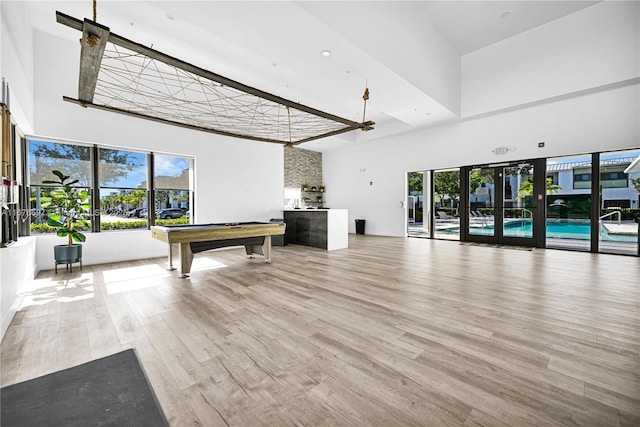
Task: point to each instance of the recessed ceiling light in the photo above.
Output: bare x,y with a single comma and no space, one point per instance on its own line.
325,52
506,15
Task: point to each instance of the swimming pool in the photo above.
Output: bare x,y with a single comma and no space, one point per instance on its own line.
556,229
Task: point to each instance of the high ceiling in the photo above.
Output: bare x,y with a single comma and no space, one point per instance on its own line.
276,46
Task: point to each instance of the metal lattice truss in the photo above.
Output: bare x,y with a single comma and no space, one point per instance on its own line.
117,74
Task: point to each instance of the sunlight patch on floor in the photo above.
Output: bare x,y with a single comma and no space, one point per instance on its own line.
45,290
128,279
148,276
200,264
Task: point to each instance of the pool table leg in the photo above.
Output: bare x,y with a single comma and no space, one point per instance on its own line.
171,267
266,249
186,258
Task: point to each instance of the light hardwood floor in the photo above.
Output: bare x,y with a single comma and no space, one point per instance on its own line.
390,332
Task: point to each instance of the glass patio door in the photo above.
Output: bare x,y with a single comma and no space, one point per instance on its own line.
502,204
518,207
481,211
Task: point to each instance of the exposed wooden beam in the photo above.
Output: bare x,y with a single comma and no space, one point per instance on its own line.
94,40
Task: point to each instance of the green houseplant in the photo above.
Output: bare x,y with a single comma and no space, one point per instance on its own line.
67,210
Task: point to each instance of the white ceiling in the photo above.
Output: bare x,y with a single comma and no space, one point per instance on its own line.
275,46
472,25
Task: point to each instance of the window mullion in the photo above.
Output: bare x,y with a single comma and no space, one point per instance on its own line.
95,190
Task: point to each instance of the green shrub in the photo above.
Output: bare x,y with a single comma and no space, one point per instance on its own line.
124,225
44,228
181,221
117,225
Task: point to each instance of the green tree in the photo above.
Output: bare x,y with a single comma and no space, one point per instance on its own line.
138,197
479,177
526,188
636,184
75,160
415,183
183,197
115,164
447,184
161,196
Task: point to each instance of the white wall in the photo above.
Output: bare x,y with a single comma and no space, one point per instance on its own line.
599,121
595,46
105,247
16,65
17,267
416,50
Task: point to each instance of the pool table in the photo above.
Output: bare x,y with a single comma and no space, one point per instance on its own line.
194,238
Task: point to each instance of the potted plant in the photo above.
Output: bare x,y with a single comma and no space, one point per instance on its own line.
305,187
67,211
321,189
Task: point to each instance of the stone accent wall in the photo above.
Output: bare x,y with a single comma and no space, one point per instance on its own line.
302,166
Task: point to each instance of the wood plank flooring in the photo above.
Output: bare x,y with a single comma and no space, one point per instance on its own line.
390,332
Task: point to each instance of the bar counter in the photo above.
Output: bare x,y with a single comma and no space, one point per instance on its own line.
320,228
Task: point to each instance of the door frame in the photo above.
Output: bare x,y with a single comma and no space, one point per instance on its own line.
538,208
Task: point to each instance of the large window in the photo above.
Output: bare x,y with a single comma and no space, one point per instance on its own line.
619,193
610,177
582,177
613,177
568,222
171,179
45,157
71,159
122,188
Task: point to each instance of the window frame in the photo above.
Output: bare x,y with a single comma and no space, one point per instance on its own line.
94,187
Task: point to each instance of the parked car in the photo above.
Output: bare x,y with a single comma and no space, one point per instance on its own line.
134,213
169,213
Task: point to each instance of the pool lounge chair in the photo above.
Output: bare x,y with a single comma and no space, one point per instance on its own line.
444,215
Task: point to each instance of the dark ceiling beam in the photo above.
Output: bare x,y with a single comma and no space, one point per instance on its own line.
195,127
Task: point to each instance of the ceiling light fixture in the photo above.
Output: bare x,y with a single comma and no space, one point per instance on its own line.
325,53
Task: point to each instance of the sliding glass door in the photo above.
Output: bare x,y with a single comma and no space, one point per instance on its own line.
481,201
568,219
588,202
619,199
503,203
446,204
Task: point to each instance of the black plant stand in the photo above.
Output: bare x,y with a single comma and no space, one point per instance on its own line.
68,255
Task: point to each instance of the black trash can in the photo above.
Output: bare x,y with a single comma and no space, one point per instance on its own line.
360,226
